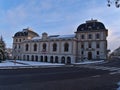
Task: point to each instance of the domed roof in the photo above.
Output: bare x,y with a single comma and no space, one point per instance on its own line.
91,25
25,32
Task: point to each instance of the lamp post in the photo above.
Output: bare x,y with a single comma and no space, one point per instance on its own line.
14,57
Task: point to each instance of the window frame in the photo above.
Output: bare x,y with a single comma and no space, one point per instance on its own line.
66,47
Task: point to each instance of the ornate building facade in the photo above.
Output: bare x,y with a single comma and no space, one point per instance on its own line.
87,43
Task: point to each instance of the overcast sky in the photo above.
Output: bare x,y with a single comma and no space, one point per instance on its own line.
57,17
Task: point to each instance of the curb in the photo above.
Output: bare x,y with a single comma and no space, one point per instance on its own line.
23,67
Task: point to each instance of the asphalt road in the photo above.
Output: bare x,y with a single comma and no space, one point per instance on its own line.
59,78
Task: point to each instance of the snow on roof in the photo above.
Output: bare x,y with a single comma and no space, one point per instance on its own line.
56,37
62,36
36,38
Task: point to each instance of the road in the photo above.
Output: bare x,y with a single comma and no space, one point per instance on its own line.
59,78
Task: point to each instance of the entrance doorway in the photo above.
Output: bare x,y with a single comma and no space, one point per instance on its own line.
68,60
89,55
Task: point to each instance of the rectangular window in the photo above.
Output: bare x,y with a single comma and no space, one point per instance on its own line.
19,40
89,36
82,36
97,36
97,52
89,45
82,46
82,52
97,45
66,47
19,46
16,40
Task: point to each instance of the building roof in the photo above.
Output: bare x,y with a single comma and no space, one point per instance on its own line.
91,25
56,37
25,32
62,36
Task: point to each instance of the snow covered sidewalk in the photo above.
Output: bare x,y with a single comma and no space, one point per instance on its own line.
90,62
10,64
34,63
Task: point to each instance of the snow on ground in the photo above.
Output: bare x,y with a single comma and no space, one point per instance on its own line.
26,63
8,63
38,63
90,62
34,63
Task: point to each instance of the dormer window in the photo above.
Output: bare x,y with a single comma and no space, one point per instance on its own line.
82,28
98,28
89,27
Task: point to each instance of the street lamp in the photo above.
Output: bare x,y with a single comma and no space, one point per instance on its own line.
15,56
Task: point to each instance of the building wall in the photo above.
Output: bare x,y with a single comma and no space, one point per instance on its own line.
97,53
49,50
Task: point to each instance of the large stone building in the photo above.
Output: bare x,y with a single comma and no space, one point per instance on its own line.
2,49
87,43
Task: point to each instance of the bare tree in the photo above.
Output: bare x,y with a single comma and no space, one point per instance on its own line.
115,2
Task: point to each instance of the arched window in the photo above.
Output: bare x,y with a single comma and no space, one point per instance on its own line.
44,47
46,59
35,47
41,58
51,59
68,60
56,59
66,47
32,57
54,47
27,57
26,47
63,59
36,58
